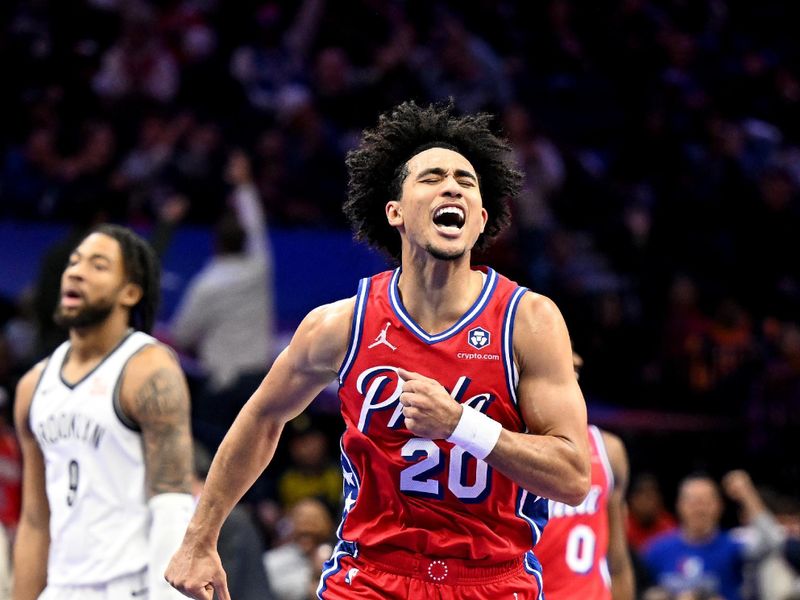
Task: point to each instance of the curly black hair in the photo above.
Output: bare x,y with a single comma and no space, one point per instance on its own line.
378,167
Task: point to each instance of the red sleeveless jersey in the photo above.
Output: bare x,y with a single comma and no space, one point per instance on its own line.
573,551
421,495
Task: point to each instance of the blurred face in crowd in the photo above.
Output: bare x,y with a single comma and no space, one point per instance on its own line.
699,508
441,209
645,502
311,524
94,283
309,450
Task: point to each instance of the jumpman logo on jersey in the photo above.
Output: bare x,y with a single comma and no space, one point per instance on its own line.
381,338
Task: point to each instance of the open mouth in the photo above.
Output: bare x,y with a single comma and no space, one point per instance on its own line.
70,297
449,218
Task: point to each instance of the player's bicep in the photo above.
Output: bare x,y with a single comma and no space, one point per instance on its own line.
550,399
157,398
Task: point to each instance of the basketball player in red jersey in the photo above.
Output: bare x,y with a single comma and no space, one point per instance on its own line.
584,553
462,412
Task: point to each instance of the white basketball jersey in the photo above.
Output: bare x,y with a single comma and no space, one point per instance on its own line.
94,470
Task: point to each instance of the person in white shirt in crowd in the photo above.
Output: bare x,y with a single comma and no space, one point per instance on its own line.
226,315
765,537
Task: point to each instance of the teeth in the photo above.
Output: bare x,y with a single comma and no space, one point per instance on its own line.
449,209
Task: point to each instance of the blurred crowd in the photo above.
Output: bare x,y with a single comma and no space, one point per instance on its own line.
661,157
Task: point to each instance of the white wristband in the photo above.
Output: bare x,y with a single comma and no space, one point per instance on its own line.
476,433
169,514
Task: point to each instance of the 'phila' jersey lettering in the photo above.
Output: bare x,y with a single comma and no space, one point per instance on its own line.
422,495
573,551
94,470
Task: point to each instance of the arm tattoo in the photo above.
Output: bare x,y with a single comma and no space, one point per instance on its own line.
162,408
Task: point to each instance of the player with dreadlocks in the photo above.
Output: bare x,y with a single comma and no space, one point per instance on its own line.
461,409
104,428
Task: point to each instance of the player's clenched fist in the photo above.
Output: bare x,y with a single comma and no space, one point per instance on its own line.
428,408
197,574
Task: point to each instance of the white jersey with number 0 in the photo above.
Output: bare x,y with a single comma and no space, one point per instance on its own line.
94,469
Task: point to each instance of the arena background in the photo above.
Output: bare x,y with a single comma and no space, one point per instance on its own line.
659,140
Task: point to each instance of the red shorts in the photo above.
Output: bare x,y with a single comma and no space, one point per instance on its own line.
400,575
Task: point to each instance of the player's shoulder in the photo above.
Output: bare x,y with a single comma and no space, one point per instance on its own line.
25,390
323,335
153,362
329,320
538,311
538,305
28,381
152,356
539,330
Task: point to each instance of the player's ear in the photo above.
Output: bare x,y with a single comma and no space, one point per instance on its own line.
394,213
131,294
484,219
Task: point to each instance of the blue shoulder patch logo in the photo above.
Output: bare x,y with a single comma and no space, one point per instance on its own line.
478,338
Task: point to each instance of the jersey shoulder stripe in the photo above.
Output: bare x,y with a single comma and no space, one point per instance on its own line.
512,376
356,327
116,403
602,453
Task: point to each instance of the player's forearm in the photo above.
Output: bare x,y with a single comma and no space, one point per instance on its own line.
547,466
622,585
620,567
30,562
243,454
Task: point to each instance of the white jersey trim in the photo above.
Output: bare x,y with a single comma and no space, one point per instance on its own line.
111,352
512,374
115,398
475,310
595,432
356,328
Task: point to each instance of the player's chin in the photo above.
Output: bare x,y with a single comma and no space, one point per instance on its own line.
445,253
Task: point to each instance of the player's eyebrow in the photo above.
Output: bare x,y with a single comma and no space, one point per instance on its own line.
94,256
442,172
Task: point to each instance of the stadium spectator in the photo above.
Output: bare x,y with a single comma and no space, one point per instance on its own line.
293,567
698,556
226,314
646,516
765,538
310,473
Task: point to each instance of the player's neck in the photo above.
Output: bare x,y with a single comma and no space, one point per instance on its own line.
90,343
437,293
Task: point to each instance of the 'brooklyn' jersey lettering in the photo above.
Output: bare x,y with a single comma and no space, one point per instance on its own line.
69,426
